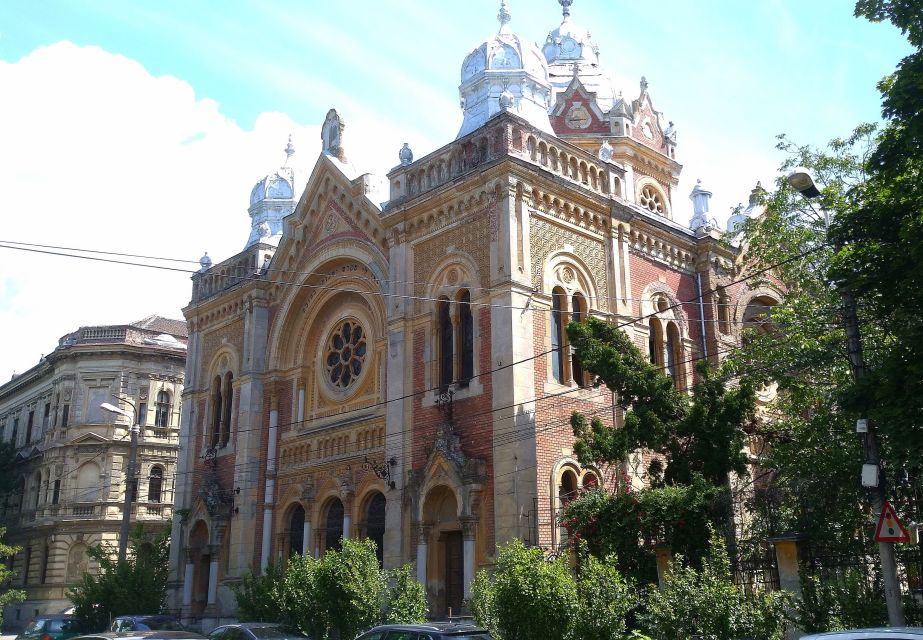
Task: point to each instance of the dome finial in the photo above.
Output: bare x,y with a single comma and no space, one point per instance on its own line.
289,150
503,16
565,7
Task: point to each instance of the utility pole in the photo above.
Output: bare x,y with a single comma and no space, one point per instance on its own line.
134,430
803,182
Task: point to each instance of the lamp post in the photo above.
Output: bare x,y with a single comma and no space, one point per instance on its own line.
802,181
134,429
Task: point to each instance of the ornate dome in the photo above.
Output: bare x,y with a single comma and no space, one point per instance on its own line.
505,62
271,199
571,44
275,186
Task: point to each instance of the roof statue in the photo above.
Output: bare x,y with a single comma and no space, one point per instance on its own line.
331,134
606,151
405,155
755,208
569,50
700,197
504,62
271,199
205,262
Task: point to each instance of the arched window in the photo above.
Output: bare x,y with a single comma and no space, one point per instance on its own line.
446,345
226,413
465,338
375,525
558,303
296,530
724,312
334,526
155,484
78,562
217,406
578,314
674,354
567,490
162,410
655,342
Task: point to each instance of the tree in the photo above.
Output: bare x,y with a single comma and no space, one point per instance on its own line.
881,258
258,596
703,436
7,595
137,584
350,587
406,597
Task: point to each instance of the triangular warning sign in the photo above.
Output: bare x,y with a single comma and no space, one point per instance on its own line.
889,528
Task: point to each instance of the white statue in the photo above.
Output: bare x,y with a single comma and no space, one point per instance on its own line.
605,151
331,133
405,155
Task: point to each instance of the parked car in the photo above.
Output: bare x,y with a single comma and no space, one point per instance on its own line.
433,631
50,627
885,633
254,631
142,635
146,623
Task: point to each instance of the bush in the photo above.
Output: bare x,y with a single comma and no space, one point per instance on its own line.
136,585
605,598
406,599
838,602
7,596
340,594
707,604
258,596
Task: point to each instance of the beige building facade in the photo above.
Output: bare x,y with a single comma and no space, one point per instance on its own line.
71,455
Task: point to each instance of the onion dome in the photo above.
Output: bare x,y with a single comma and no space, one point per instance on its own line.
504,63
568,45
271,199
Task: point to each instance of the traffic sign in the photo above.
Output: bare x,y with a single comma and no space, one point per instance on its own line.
889,528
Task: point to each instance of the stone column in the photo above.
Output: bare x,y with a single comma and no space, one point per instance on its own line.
187,578
213,574
270,486
306,537
787,548
422,537
469,530
347,515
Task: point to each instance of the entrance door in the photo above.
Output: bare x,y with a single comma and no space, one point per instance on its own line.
454,572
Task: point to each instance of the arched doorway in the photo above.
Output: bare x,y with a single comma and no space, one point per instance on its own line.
445,562
200,559
375,524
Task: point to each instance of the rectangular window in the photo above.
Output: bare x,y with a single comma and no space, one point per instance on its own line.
45,564
56,495
26,561
15,433
29,423
46,416
65,411
142,414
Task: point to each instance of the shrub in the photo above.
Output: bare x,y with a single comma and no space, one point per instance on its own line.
350,587
605,600
837,602
258,596
300,598
406,599
707,604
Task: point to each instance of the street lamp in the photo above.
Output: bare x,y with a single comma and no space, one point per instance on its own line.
802,181
129,472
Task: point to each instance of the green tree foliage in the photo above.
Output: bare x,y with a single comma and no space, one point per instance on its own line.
840,601
406,597
800,348
7,596
627,524
882,254
138,584
8,478
338,595
704,436
530,596
706,604
258,596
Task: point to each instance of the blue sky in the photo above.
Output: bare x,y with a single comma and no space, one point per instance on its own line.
142,126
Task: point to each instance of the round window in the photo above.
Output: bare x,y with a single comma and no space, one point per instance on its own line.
346,349
650,199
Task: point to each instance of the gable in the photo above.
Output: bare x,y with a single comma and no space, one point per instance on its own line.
576,112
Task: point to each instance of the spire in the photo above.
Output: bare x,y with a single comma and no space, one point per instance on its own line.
504,16
565,7
289,150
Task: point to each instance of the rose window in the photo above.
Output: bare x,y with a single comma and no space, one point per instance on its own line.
346,349
650,199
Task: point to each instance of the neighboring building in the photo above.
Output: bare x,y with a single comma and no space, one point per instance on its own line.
398,370
71,455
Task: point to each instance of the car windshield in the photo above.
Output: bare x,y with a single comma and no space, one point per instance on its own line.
161,624
64,624
273,633
35,626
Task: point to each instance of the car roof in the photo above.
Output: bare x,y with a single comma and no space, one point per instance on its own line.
53,616
897,632
443,627
142,635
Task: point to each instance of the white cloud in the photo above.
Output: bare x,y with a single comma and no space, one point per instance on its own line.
97,153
